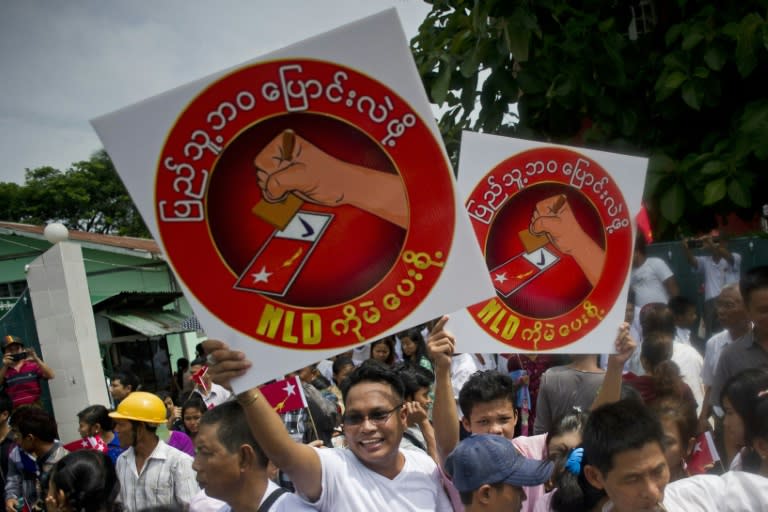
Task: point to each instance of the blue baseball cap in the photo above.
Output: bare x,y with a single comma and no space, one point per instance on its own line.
492,459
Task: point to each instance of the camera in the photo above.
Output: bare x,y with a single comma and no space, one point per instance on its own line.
698,243
19,356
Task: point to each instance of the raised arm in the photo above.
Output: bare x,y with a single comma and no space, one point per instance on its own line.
440,346
299,461
610,391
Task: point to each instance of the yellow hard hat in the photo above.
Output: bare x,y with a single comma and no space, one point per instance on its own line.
141,406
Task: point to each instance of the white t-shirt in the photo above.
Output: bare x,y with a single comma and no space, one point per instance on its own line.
349,486
717,274
288,502
647,281
690,363
735,491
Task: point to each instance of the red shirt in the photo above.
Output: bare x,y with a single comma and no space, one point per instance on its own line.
23,385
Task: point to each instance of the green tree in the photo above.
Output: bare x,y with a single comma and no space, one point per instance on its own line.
89,196
682,82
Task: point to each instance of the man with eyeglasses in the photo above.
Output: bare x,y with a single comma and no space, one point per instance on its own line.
373,474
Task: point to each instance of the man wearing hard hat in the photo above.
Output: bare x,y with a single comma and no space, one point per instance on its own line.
151,473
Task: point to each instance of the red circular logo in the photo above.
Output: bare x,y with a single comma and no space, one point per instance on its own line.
555,231
303,204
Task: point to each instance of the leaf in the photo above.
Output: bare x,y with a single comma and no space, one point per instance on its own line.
439,88
517,41
471,63
674,80
714,191
692,39
739,194
712,167
692,95
715,57
673,203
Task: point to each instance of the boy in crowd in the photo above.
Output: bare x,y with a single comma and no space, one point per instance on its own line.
94,420
490,474
121,385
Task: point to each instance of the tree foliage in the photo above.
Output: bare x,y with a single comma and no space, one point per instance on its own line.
683,82
89,196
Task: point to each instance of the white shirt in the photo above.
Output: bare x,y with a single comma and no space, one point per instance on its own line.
690,363
167,478
647,281
717,275
216,396
735,491
288,502
349,486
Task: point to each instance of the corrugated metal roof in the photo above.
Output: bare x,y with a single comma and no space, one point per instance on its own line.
149,323
134,300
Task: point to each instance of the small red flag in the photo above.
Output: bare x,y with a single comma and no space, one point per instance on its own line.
198,379
87,443
285,395
704,455
644,224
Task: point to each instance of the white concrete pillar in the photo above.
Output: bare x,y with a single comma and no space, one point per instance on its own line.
66,329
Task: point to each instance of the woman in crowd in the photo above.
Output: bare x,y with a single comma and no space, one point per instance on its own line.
83,481
191,412
739,400
679,423
662,375
383,350
415,348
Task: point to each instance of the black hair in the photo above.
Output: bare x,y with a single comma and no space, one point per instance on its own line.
757,428
127,379
39,423
373,371
486,386
390,343
88,480
195,401
573,493
467,496
339,364
656,351
656,316
755,279
97,415
742,390
413,379
233,430
618,427
6,404
680,305
573,421
421,346
182,363
198,361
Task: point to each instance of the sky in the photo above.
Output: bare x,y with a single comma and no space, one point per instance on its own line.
63,63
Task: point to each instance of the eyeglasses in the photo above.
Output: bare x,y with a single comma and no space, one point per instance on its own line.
376,417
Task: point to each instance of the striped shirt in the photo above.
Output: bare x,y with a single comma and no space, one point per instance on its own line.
23,385
167,478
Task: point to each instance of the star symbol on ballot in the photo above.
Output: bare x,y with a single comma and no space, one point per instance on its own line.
262,276
84,443
289,388
501,278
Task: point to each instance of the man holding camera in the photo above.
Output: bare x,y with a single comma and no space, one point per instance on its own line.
719,267
21,372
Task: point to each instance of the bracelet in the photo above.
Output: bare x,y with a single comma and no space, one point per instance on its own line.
247,398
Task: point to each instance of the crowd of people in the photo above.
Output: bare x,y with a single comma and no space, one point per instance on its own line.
406,423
